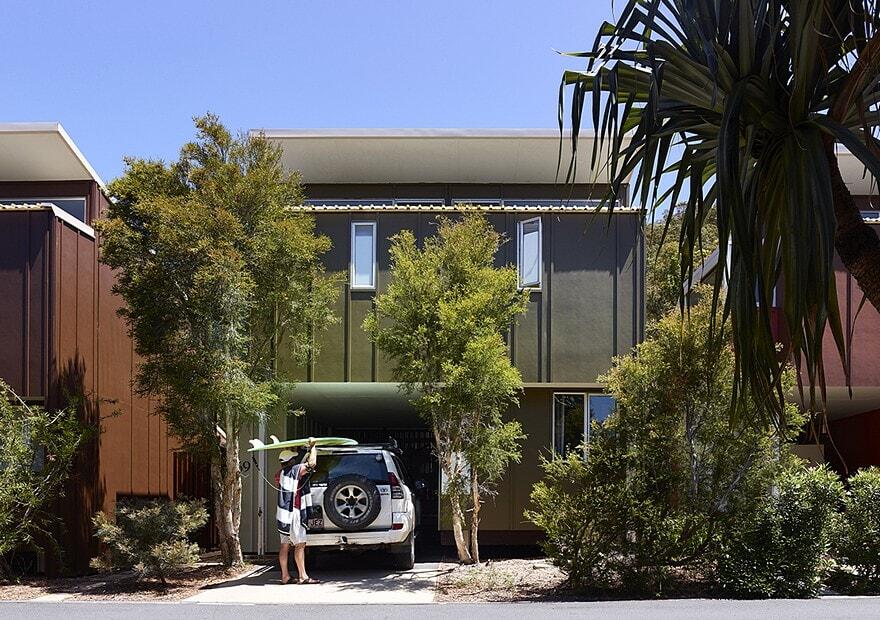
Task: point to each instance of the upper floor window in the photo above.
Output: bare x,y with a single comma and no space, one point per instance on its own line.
528,252
363,255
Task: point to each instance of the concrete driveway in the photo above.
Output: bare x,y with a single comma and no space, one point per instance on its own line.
351,583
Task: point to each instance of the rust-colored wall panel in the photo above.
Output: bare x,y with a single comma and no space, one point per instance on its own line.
864,325
857,438
14,289
38,305
60,334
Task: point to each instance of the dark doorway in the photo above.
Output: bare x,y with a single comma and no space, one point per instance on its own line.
192,480
418,457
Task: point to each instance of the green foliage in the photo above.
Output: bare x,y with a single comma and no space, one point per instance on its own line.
857,532
150,536
664,277
578,514
37,450
781,548
666,473
737,106
215,269
441,320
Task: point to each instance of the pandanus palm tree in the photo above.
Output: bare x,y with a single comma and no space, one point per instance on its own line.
742,106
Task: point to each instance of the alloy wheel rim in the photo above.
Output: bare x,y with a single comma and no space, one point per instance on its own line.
351,502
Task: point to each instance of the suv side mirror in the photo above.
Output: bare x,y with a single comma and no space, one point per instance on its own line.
420,486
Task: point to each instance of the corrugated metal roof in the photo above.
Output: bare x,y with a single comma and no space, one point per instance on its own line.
435,208
61,214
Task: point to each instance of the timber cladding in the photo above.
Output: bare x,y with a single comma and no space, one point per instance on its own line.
62,341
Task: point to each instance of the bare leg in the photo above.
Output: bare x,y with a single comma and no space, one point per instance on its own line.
299,555
282,560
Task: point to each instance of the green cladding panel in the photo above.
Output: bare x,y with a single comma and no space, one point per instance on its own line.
588,308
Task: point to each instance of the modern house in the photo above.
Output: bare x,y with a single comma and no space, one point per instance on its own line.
852,439
583,269
60,337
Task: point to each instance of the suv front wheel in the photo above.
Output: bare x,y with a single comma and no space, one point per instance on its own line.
403,556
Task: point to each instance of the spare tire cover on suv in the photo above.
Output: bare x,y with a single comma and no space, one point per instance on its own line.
352,502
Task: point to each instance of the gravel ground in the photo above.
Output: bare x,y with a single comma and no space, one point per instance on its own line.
122,586
501,580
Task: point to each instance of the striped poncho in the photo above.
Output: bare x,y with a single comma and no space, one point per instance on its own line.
289,485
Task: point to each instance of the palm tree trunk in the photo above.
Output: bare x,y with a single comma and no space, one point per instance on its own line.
855,241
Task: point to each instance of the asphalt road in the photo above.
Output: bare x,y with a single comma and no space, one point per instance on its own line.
826,609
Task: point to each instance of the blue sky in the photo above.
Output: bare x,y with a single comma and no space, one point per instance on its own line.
125,78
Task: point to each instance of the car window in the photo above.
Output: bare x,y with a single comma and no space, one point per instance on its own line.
331,466
401,470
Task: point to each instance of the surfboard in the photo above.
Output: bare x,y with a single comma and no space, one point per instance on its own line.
259,446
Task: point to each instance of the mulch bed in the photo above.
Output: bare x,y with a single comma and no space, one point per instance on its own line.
502,580
123,586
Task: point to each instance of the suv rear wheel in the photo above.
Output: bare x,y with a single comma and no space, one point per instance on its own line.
352,502
403,556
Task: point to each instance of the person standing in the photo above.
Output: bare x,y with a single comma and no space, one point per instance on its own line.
293,498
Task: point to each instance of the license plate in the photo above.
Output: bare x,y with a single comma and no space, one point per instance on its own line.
315,524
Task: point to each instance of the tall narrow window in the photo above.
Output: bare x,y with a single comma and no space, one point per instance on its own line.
569,422
363,255
529,253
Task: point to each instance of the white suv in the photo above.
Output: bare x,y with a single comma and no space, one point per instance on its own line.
363,498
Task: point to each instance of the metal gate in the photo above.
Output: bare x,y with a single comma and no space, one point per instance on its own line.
417,445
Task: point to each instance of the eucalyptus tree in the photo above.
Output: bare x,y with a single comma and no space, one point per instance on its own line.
743,105
215,270
441,320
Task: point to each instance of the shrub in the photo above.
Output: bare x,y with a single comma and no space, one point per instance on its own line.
667,471
37,451
781,550
573,508
150,536
857,534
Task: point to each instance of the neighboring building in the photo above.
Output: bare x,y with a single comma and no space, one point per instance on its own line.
60,333
583,269
852,439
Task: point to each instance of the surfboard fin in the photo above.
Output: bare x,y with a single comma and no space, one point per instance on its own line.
274,439
256,444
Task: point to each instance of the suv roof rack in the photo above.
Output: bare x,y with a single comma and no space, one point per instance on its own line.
391,445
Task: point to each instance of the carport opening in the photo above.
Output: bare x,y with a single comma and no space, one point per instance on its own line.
373,413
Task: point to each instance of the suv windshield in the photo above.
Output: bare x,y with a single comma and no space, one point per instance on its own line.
331,466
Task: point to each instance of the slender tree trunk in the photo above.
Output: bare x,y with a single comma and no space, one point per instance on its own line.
475,516
464,555
855,241
456,513
226,483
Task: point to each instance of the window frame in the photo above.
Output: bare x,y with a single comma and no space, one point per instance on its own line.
351,266
587,419
520,225
553,420
52,201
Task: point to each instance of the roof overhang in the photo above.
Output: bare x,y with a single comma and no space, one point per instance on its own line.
41,152
859,181
432,155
